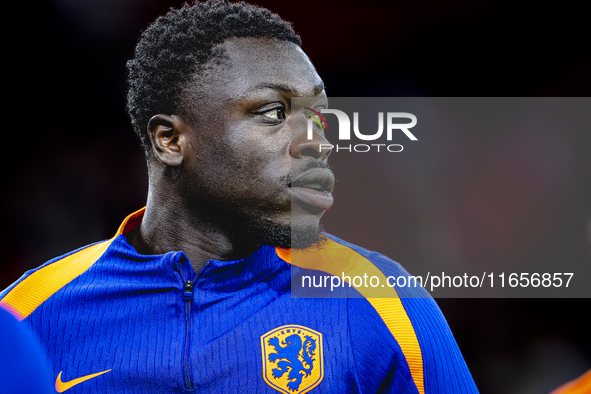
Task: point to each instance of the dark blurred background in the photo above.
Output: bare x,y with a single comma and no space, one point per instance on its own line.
78,169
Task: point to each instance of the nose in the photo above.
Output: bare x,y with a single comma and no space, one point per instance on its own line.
302,146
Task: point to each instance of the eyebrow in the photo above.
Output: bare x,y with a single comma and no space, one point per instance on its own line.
316,90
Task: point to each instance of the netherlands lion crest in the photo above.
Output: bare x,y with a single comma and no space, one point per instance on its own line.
292,359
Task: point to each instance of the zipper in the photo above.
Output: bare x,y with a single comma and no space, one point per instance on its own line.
188,299
188,287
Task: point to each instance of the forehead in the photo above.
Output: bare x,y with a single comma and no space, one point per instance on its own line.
251,64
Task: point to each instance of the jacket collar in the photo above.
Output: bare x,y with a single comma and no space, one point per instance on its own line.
263,262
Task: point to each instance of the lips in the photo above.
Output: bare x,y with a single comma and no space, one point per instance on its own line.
314,188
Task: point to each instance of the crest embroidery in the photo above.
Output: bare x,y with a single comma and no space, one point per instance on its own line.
292,359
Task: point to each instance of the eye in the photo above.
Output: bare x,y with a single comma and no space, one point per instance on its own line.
275,113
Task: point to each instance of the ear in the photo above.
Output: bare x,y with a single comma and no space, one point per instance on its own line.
169,138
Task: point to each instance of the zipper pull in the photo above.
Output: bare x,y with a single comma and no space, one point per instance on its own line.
188,294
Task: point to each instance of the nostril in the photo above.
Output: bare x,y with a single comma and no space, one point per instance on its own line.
309,152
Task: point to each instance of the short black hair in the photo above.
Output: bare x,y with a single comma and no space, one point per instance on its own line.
174,47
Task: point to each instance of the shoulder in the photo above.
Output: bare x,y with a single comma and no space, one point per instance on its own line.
387,303
374,257
37,285
378,318
390,278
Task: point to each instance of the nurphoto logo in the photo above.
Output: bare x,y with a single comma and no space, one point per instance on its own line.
315,119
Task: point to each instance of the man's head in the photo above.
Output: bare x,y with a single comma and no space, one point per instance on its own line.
210,94
179,44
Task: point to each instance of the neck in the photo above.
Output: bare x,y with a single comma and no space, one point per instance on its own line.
169,225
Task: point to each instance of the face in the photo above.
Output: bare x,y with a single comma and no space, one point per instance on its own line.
249,158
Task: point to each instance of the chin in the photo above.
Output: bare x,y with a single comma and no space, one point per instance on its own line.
307,237
293,237
299,229
298,234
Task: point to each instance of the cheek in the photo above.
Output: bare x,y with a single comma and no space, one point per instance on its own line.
242,169
263,155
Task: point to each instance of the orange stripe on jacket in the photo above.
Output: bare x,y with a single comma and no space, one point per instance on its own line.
337,259
581,385
36,288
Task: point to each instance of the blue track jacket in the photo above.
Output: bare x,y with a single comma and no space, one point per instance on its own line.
115,321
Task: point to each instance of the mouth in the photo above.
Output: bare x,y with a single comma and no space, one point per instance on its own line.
313,189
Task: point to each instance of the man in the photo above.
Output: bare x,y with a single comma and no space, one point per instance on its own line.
193,293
